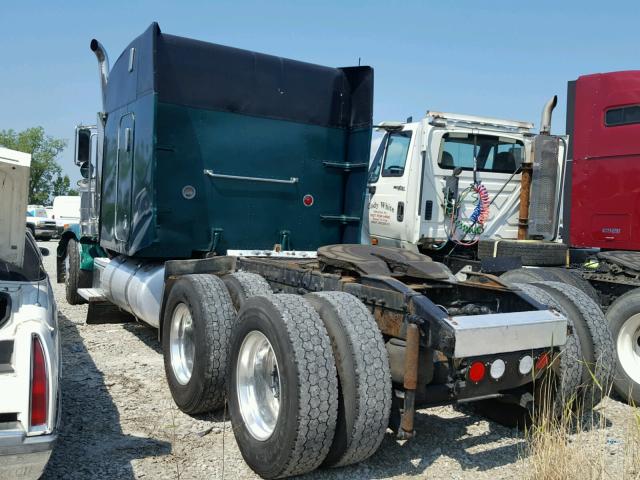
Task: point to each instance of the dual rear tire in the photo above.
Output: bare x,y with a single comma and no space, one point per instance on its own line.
308,378
587,362
334,383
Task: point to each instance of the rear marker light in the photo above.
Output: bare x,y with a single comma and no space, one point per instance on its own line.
476,371
38,384
525,365
543,361
374,241
497,369
307,200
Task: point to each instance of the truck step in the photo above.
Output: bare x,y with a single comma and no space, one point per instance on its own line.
92,295
101,310
105,312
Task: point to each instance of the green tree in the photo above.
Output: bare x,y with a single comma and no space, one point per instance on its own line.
46,174
62,186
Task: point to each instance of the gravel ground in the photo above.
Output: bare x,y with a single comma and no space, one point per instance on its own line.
119,421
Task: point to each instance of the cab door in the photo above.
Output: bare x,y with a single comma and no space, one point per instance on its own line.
124,174
388,186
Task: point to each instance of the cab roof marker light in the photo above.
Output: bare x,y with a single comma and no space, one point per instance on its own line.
389,126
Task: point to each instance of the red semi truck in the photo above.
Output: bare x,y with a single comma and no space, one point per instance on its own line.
601,212
602,204
603,120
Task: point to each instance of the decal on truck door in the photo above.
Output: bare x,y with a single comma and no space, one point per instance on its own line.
381,213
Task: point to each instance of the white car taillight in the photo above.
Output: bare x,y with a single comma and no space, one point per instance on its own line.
39,385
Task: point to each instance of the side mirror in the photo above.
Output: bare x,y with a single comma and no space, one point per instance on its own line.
86,170
83,145
44,251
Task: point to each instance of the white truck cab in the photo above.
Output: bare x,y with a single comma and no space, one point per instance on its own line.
452,177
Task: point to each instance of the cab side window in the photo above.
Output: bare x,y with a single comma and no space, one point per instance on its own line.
626,115
395,157
376,164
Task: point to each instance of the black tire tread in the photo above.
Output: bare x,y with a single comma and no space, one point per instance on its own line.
243,285
573,278
75,278
317,379
373,376
532,253
252,283
602,340
220,316
528,275
570,366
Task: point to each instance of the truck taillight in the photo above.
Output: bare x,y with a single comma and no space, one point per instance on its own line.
543,361
38,416
477,371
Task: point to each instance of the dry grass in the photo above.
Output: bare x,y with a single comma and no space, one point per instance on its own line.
574,444
632,446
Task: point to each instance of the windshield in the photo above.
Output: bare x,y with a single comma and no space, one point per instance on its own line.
493,153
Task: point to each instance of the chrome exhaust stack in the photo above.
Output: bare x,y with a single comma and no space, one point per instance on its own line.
103,67
545,122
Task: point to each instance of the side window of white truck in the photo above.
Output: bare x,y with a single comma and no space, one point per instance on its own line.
395,156
392,153
493,153
374,169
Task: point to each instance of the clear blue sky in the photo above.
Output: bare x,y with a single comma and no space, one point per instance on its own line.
496,58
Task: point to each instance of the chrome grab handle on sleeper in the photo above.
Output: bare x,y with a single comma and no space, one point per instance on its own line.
251,179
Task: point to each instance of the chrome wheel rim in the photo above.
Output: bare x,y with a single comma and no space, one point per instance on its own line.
181,343
628,346
258,385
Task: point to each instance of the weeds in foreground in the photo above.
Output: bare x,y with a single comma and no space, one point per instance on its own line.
567,440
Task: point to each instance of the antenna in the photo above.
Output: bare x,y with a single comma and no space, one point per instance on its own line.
359,58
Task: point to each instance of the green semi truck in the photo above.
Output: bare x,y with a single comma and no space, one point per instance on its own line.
223,206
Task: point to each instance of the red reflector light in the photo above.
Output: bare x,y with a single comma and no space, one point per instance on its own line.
543,361
38,384
307,200
477,371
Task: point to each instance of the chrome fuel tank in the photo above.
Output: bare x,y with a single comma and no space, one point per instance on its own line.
133,285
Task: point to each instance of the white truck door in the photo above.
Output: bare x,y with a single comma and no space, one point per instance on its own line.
389,220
